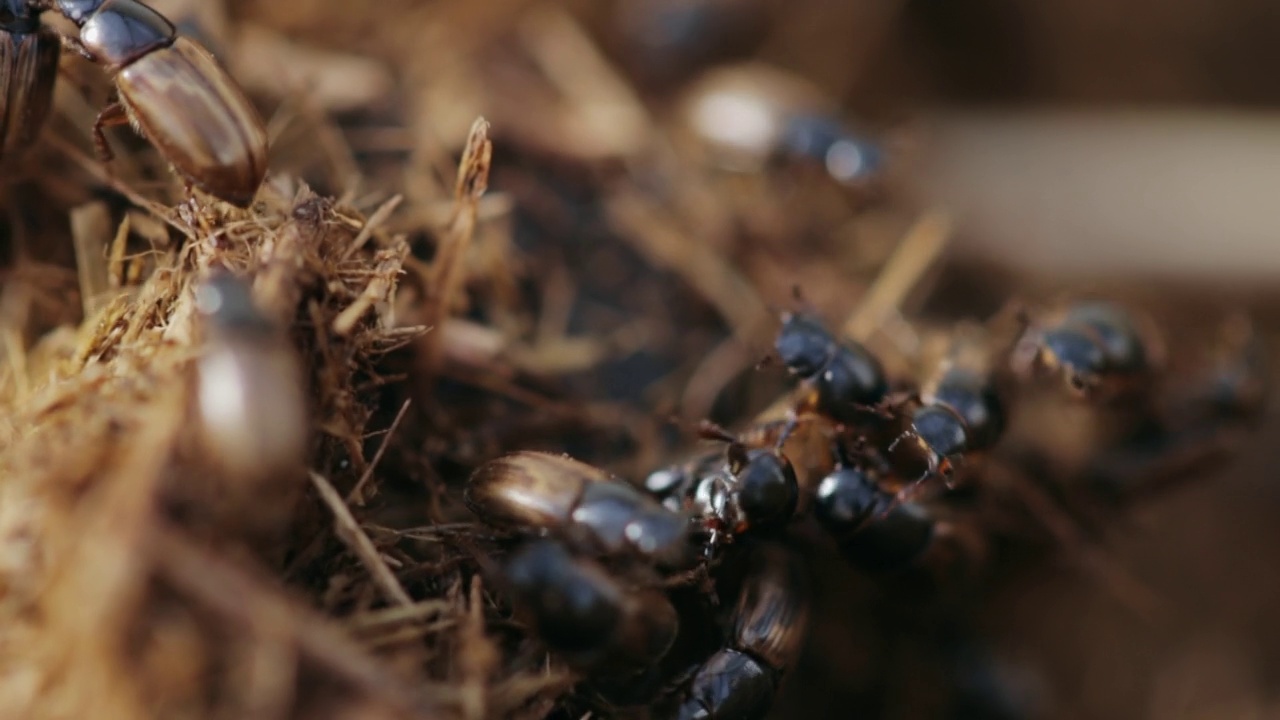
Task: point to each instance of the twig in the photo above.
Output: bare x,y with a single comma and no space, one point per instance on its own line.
391,616
375,221
90,224
480,657
389,264
447,271
235,594
93,167
659,238
357,493
349,531
605,107
916,253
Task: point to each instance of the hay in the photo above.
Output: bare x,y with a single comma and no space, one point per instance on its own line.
566,272
144,558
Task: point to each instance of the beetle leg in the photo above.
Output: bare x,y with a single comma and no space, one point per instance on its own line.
112,115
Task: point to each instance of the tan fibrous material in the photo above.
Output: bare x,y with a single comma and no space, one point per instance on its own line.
137,537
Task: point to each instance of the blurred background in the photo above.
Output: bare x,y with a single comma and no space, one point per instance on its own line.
1127,147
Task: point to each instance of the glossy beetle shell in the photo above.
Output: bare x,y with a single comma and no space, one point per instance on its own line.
1116,331
772,614
529,489
117,32
767,489
975,399
730,684
1103,351
181,99
852,508
893,543
756,492
28,71
845,375
803,345
769,623
578,609
853,377
942,431
582,503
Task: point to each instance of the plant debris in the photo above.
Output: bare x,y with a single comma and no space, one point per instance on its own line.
479,234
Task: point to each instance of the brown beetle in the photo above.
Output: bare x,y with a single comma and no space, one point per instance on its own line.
174,93
583,504
29,54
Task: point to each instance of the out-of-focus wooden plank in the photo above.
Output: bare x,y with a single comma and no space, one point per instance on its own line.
1173,194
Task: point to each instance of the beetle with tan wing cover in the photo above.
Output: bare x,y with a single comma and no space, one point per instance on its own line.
173,92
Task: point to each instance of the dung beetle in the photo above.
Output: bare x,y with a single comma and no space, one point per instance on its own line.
766,631
874,533
585,614
173,92
962,411
750,117
846,378
29,54
731,491
882,536
1101,349
586,506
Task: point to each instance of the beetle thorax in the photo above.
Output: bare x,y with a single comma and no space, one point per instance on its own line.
77,11
121,31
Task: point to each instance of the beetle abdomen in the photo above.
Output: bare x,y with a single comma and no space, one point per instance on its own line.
182,100
30,63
